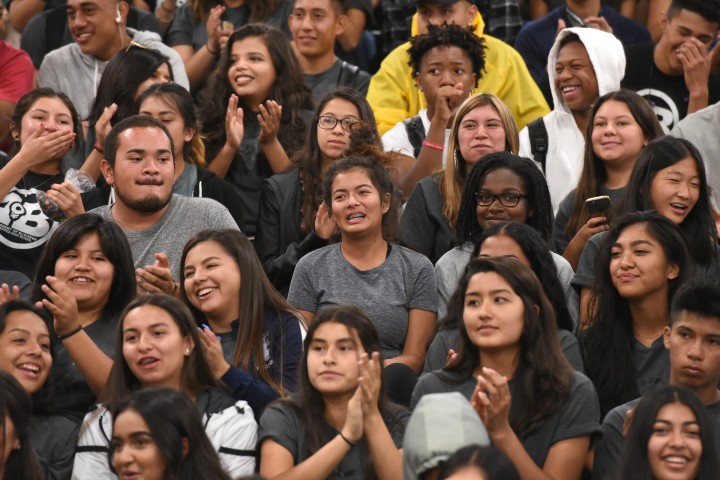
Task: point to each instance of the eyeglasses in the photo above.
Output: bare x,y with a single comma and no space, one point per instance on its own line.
328,123
505,199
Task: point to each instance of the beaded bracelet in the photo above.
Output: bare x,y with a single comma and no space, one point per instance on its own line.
70,333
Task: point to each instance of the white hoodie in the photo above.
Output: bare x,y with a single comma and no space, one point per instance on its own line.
566,144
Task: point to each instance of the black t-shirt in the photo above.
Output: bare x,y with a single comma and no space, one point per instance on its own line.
668,95
24,227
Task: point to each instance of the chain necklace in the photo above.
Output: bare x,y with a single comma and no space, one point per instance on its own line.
650,337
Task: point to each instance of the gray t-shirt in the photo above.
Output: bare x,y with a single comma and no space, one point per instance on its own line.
609,450
450,338
578,417
184,218
652,365
405,281
341,74
280,423
72,394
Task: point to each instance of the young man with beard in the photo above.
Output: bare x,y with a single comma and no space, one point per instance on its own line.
693,339
139,164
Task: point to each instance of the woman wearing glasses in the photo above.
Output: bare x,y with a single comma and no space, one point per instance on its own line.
483,124
501,188
293,221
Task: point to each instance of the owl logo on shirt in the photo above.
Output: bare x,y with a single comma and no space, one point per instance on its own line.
23,225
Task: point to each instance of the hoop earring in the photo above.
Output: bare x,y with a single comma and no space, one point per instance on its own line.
455,160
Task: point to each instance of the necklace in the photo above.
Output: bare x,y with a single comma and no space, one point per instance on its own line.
39,184
650,337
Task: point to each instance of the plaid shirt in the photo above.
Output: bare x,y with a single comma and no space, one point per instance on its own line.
502,20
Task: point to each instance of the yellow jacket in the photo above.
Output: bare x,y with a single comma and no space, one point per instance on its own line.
394,96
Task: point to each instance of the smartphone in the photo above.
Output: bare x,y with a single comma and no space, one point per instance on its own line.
598,206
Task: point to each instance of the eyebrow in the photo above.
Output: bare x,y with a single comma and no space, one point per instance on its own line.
339,340
141,150
634,243
154,325
668,422
492,292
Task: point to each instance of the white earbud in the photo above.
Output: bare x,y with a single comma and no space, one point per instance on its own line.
118,17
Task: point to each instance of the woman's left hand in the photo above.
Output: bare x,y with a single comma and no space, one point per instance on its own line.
67,197
213,351
491,400
370,380
61,303
269,118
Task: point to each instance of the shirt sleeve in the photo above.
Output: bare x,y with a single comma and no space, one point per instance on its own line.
302,295
608,450
417,230
279,424
585,273
17,76
580,415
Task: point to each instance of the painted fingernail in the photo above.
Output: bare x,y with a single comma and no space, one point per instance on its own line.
205,326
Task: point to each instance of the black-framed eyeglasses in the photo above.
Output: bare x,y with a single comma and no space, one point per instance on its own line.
505,199
328,123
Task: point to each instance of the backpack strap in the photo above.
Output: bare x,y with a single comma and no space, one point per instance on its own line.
415,132
348,74
538,141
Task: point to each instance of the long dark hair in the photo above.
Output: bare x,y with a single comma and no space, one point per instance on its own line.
541,263
491,461
698,226
289,90
175,96
543,376
607,345
173,419
257,298
16,406
309,404
28,100
309,159
635,463
594,175
122,76
114,245
540,213
42,400
196,374
372,165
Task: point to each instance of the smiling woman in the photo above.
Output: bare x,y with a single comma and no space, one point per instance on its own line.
76,274
670,436
26,353
644,259
157,345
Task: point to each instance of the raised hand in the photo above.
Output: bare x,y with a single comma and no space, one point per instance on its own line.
8,293
38,148
370,381
269,118
213,351
325,225
157,278
491,400
61,303
234,127
353,427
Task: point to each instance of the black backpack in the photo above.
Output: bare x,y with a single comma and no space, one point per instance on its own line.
538,141
416,133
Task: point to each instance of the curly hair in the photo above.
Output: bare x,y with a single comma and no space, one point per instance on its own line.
448,36
288,89
540,216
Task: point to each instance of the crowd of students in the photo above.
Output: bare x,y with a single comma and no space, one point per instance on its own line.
229,249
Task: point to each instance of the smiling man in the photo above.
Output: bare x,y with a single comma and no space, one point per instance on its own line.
693,340
674,75
100,31
139,164
315,24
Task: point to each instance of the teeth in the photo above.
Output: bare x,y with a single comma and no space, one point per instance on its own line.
205,291
356,215
678,205
81,280
676,459
569,89
30,367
